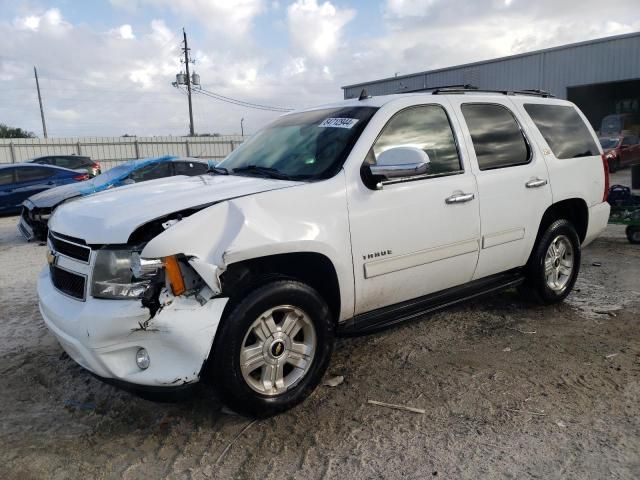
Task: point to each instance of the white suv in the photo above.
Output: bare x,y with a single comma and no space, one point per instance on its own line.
344,218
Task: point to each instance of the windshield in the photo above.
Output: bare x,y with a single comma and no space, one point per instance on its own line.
609,143
301,146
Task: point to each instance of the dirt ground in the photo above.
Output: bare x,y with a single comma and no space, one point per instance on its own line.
510,390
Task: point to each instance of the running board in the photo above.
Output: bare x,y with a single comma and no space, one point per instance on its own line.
411,309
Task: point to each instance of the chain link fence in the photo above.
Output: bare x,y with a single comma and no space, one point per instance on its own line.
110,151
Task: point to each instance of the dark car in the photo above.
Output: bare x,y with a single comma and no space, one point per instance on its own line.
74,162
621,151
38,208
18,181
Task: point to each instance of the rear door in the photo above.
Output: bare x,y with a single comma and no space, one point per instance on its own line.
513,182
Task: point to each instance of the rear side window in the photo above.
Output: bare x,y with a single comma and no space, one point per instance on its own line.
6,176
30,174
563,129
497,138
190,168
426,127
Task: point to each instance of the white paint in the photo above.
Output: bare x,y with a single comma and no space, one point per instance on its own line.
387,245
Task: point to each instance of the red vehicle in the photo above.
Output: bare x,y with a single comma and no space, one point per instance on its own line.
621,151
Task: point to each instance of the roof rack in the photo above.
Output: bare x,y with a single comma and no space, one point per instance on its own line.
473,89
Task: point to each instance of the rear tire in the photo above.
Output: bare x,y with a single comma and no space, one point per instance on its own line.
633,234
554,264
272,348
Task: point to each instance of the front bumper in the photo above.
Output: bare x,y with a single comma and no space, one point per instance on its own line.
32,225
103,336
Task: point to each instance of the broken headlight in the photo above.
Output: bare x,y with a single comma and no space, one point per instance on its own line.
122,274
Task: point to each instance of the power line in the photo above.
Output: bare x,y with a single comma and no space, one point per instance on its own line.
242,103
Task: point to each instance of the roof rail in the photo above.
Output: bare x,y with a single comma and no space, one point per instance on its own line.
473,89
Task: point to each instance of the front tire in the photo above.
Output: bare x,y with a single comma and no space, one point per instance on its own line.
554,264
272,348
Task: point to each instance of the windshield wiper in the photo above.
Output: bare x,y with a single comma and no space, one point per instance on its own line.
218,170
264,171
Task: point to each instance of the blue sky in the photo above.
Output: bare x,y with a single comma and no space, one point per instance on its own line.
106,66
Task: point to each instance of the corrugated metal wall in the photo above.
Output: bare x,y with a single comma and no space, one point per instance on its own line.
598,61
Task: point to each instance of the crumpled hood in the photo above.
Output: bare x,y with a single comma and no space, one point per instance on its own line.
109,217
54,196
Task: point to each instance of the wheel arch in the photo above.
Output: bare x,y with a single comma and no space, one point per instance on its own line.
312,268
574,210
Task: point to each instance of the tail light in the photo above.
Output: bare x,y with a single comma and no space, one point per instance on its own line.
81,177
605,165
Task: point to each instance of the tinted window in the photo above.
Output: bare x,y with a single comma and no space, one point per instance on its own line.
496,135
42,160
189,168
67,162
629,141
426,127
6,176
151,172
563,129
30,174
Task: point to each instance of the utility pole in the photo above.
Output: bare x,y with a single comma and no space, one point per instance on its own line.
242,127
188,82
44,125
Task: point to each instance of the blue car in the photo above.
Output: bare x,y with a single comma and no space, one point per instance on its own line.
19,181
38,208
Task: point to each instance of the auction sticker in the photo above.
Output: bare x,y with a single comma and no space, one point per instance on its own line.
339,122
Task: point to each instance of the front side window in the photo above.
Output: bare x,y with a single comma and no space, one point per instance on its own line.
151,172
496,135
628,141
190,168
426,127
6,176
31,174
563,129
308,145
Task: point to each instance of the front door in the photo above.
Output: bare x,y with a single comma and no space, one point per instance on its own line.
411,238
513,183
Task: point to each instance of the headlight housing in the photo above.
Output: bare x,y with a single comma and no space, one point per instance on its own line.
122,274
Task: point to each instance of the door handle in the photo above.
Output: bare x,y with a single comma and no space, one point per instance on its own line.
535,183
459,198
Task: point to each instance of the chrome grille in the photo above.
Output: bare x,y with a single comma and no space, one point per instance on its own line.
69,283
68,248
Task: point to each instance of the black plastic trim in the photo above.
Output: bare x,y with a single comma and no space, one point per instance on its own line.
385,317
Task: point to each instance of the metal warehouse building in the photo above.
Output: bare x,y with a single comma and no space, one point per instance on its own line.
601,76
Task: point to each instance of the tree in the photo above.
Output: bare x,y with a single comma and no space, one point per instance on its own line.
14,132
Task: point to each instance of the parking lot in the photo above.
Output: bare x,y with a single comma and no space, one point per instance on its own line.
509,389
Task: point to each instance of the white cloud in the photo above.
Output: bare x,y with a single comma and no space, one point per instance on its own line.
409,8
316,29
232,17
50,19
126,32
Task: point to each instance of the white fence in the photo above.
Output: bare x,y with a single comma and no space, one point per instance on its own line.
110,151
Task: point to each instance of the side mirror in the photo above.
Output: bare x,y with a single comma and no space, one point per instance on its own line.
397,162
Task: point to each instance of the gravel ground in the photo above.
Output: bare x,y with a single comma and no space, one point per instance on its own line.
510,390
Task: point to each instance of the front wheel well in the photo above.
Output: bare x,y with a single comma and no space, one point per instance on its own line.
574,210
314,269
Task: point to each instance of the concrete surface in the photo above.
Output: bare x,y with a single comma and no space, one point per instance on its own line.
510,390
